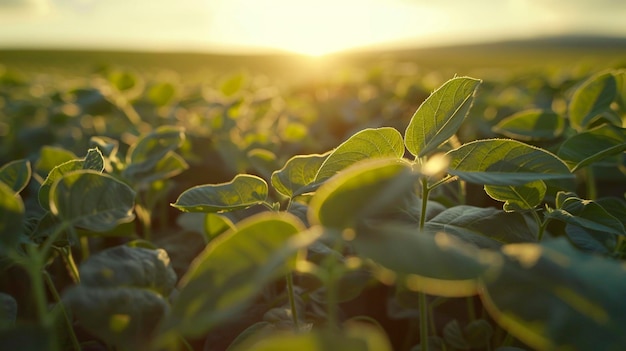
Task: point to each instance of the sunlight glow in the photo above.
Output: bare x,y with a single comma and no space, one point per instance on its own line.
318,27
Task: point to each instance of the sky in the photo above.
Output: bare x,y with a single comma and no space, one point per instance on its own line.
312,27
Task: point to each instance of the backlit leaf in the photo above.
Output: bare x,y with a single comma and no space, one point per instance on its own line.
587,214
437,264
591,99
50,157
485,227
243,191
11,218
369,143
505,162
518,197
91,200
298,172
531,125
439,117
361,190
16,174
543,292
150,149
594,145
233,268
356,337
92,161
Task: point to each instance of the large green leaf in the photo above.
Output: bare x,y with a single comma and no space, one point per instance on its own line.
150,149
531,125
298,172
369,143
484,227
161,93
363,190
437,264
355,337
243,191
125,317
93,161
593,145
585,213
591,240
91,200
129,267
11,218
553,297
232,269
16,174
440,115
591,99
505,162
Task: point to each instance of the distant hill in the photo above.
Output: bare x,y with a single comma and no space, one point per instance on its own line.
557,50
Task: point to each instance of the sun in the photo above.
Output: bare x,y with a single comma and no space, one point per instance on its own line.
319,27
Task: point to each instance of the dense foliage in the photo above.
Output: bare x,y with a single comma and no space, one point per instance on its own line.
392,209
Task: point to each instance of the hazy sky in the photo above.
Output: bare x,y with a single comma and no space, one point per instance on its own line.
308,26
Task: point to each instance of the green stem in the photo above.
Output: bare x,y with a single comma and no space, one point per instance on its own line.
292,301
34,268
57,298
185,343
423,303
66,254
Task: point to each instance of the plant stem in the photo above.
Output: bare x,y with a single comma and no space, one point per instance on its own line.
66,253
57,298
423,303
292,301
84,247
34,268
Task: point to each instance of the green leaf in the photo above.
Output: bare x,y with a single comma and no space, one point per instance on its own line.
150,149
169,166
519,197
440,115
161,94
233,268
369,143
484,227
125,266
243,191
585,213
215,224
298,172
16,174
591,240
91,200
531,125
123,80
541,293
123,316
437,264
92,161
233,84
505,162
365,189
591,99
11,219
356,337
591,146
51,157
